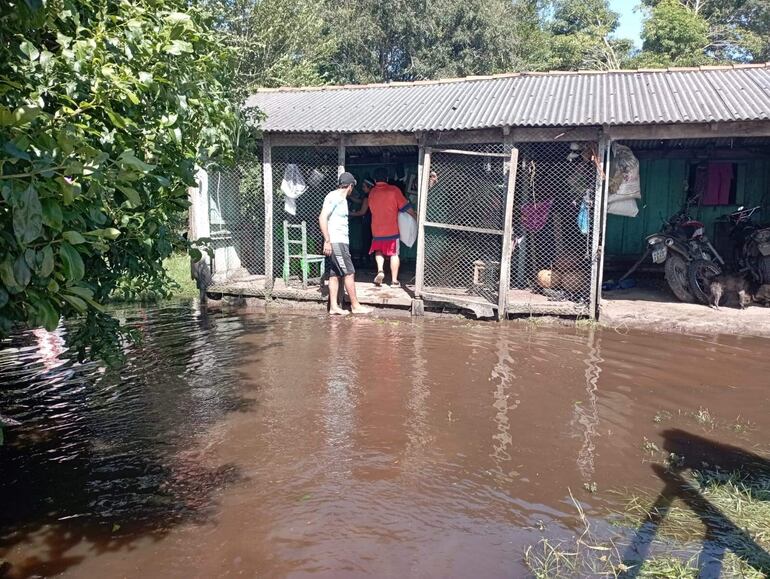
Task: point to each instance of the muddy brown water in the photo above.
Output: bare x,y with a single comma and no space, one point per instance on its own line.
275,444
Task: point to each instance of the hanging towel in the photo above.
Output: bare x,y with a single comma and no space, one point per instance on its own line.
534,216
720,181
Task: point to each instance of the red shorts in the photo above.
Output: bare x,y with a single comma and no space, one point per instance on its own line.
387,247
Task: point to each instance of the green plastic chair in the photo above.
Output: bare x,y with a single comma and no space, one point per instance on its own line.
306,260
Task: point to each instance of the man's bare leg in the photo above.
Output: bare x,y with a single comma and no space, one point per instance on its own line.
380,259
355,306
334,306
395,263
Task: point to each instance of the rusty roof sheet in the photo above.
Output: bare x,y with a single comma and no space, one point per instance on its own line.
699,95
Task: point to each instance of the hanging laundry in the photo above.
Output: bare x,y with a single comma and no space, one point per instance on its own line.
534,216
292,186
719,184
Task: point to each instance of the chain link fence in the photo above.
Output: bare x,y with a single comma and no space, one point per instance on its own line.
237,221
318,166
464,221
554,249
553,228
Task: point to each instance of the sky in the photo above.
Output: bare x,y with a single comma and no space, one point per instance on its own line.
630,19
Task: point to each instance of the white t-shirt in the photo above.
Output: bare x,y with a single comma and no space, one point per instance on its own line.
335,208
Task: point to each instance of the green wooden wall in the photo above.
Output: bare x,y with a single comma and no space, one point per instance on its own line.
663,190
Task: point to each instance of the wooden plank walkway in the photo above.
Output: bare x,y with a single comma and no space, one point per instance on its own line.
368,293
520,301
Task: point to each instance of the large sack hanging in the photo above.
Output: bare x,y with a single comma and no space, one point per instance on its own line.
407,229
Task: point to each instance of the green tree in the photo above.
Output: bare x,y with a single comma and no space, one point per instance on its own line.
410,40
376,40
583,36
674,35
695,32
473,37
275,42
105,108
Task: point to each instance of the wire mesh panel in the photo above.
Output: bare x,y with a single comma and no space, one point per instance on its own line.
553,230
237,221
464,222
318,168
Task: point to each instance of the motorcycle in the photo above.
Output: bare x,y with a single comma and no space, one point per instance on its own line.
751,245
751,253
686,253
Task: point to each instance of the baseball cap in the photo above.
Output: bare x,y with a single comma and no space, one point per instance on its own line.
346,179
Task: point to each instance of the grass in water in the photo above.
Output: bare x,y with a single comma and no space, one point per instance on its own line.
178,268
182,285
743,499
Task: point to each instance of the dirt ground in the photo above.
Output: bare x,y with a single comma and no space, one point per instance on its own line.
654,309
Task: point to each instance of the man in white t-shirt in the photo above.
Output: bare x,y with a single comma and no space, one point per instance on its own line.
334,226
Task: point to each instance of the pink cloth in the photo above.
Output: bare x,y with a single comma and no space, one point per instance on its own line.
720,181
534,216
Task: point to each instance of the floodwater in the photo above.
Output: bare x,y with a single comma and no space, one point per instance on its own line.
279,444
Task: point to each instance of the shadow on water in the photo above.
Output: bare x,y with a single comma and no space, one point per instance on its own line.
106,457
691,452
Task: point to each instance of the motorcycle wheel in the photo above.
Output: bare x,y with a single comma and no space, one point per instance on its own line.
677,278
701,272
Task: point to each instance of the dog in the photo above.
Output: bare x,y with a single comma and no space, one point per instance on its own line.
727,283
763,295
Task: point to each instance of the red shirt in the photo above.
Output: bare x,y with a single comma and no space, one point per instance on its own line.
385,202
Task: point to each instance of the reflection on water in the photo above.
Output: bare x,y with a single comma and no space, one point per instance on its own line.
294,444
586,418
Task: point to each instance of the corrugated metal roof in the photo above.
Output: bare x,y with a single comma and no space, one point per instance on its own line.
707,94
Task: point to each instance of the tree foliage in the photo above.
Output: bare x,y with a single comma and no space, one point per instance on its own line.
275,42
582,36
696,32
105,107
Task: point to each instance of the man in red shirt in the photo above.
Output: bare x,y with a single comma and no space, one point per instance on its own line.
385,203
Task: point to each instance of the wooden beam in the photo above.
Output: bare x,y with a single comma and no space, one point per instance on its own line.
558,134
722,154
690,131
463,228
465,137
605,193
267,182
596,229
530,134
505,260
422,211
472,153
341,156
333,139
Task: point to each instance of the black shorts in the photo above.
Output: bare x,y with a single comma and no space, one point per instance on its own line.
339,263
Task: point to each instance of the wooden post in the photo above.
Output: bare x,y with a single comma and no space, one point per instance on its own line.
341,157
267,181
422,211
601,239
505,259
596,231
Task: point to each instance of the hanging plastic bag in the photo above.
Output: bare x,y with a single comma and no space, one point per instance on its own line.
315,178
292,186
407,229
624,180
583,218
623,207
